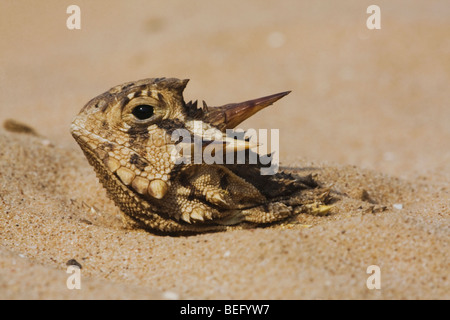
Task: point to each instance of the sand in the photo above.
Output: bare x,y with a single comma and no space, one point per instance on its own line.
369,114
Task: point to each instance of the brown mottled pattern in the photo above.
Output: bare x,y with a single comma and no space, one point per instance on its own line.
134,161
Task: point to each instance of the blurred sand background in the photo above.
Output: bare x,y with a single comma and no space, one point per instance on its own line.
369,110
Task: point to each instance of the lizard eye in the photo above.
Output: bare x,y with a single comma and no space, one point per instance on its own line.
143,111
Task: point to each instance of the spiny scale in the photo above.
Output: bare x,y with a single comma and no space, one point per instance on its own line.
133,159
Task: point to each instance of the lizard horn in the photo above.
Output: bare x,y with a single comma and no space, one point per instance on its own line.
230,115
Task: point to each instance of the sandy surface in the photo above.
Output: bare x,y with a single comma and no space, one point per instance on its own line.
369,113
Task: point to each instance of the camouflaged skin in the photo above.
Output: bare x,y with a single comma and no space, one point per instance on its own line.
136,160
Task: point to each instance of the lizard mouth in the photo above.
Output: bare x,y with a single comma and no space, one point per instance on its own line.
134,173
88,139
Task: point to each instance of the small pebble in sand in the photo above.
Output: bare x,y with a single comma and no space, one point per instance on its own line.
18,127
170,295
73,262
46,143
398,206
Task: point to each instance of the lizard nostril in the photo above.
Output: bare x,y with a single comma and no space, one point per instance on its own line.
100,105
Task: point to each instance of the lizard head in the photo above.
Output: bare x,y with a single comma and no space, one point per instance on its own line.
128,131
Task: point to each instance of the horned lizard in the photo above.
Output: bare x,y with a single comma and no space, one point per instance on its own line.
127,135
